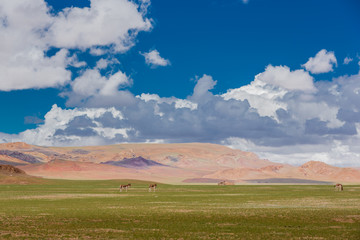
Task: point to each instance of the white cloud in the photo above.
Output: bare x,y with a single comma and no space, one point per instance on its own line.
269,93
202,87
104,63
265,98
28,31
281,76
97,51
323,62
31,69
179,103
154,59
91,89
57,120
23,63
347,60
106,22
74,61
92,83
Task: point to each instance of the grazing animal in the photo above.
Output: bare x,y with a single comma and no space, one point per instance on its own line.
124,187
339,187
223,183
152,186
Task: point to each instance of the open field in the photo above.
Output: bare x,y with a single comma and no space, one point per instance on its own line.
97,210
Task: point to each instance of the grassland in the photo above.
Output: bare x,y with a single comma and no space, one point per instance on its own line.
97,210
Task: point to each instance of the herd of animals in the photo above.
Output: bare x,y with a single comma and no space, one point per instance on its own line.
152,187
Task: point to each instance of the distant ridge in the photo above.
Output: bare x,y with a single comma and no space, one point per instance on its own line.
167,163
19,155
137,163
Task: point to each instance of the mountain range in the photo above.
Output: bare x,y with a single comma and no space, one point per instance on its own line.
168,163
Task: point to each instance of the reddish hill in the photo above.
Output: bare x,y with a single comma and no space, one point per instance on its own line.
323,171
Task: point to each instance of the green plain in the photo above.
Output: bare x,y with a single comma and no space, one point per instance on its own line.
63,209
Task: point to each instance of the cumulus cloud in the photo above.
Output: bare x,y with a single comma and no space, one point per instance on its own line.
106,22
203,87
265,98
24,64
323,62
266,93
62,126
281,76
112,24
154,59
91,89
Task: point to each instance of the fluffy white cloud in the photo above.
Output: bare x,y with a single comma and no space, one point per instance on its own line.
106,22
265,98
323,62
281,76
23,62
154,59
57,128
92,83
266,93
31,69
91,89
28,31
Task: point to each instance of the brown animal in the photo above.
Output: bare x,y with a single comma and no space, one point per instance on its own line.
223,183
152,186
339,187
124,187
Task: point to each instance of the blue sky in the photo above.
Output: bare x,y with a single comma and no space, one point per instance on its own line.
172,68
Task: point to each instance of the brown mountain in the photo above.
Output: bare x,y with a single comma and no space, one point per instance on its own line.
171,163
13,175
